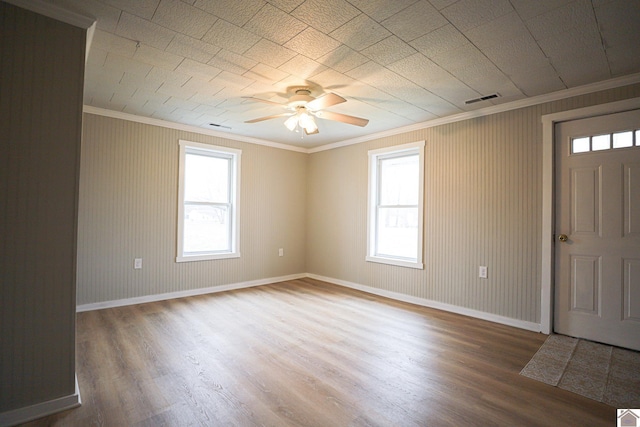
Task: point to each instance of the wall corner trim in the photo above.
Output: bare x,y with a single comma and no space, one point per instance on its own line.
39,410
521,324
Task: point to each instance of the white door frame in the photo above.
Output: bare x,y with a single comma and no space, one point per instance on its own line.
547,270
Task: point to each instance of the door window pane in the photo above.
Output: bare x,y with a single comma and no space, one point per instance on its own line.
601,142
622,139
580,145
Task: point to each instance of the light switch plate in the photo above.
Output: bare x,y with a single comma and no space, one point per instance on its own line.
482,271
137,263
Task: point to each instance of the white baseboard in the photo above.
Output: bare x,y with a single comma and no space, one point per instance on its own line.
39,410
530,326
189,293
522,324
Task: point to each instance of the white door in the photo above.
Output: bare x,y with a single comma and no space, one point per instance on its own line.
597,229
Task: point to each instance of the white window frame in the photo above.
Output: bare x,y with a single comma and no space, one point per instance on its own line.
374,182
188,147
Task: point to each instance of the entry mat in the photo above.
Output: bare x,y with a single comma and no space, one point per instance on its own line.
600,372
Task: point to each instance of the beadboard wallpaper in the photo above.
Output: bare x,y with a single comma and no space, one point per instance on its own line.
41,74
482,208
128,210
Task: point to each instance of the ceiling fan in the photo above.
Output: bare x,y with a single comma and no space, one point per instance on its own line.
302,108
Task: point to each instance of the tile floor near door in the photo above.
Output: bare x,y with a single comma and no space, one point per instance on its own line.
308,353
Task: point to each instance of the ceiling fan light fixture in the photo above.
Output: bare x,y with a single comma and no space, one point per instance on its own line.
291,123
307,122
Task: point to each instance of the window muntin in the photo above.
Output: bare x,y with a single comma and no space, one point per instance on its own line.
396,205
623,139
208,202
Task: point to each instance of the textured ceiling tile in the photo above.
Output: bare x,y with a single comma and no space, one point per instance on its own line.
420,70
274,24
381,9
198,69
389,50
467,14
343,59
203,87
96,56
183,18
237,12
331,79
270,53
441,4
312,43
301,66
360,33
580,41
159,76
231,62
147,32
265,73
537,80
325,15
106,76
184,104
149,96
620,23
415,21
508,26
142,8
578,71
230,37
440,40
286,5
176,91
528,9
624,59
192,48
117,63
557,21
113,43
230,80
156,57
516,54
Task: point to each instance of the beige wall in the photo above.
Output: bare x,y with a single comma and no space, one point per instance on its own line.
482,207
128,209
41,75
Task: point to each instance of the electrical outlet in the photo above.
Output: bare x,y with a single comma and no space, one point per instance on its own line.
281,252
137,263
482,271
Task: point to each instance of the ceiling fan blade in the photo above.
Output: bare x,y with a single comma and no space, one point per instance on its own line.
325,101
266,101
275,116
344,118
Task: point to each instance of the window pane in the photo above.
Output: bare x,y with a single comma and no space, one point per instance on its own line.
601,142
206,228
206,179
638,138
398,232
580,145
400,180
623,139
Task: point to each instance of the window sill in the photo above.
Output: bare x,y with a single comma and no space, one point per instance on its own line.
396,262
207,257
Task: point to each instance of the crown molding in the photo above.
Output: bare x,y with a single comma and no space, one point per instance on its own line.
188,128
494,109
55,12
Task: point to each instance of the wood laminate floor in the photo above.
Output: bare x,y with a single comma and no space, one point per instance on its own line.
307,353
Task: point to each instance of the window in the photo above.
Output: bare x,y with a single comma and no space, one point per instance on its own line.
624,139
208,202
396,178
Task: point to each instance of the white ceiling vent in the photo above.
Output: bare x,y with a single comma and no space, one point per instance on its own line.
482,98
